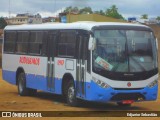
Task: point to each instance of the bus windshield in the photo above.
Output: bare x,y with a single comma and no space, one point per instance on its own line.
124,51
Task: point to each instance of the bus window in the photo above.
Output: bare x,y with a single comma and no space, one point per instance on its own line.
66,44
22,42
9,43
35,42
44,43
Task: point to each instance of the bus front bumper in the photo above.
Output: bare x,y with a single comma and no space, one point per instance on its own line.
99,94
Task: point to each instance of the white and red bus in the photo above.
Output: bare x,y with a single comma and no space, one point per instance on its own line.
93,61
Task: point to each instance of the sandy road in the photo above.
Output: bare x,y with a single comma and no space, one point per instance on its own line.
11,101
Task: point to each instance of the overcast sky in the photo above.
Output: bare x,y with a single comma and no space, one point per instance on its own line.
128,8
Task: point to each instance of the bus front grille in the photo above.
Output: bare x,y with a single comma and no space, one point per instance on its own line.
128,96
128,88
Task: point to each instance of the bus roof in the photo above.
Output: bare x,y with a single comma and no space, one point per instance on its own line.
86,25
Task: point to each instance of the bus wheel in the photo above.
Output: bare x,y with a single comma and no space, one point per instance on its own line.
22,90
123,105
71,94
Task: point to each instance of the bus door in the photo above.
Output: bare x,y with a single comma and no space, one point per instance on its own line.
81,66
50,62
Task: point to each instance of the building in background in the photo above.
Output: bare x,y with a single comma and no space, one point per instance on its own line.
50,19
63,17
90,17
74,17
143,21
132,19
153,21
24,19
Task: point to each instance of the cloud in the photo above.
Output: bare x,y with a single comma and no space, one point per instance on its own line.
46,14
6,14
50,14
126,7
130,8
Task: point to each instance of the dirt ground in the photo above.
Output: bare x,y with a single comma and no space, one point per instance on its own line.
11,101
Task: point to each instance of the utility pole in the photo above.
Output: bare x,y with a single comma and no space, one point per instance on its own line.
55,2
9,12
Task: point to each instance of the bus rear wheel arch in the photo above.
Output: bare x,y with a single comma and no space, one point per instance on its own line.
21,83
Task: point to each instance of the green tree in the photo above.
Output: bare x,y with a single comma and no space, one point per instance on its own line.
71,9
3,23
75,9
144,16
158,18
68,9
101,12
113,12
86,10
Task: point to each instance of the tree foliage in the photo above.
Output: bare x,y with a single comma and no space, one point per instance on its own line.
158,18
71,9
113,12
85,10
68,9
144,16
3,23
101,12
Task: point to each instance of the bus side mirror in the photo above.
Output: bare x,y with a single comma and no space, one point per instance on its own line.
92,43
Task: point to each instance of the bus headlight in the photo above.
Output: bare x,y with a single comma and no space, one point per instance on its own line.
100,83
152,84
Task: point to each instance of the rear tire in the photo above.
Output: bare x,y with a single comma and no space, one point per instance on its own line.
71,94
22,90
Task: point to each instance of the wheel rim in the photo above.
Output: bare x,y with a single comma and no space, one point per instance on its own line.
71,94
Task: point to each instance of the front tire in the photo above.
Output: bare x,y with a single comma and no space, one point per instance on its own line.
22,90
71,94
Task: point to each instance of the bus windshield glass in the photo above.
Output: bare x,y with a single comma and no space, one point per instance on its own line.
124,51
